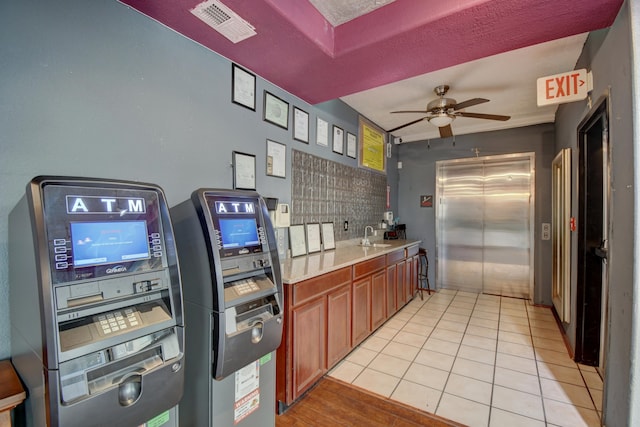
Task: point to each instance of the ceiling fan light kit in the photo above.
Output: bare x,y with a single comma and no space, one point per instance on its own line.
441,119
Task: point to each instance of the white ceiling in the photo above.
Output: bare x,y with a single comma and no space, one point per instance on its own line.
338,12
508,80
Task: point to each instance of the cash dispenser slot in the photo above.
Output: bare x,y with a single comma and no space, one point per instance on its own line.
105,369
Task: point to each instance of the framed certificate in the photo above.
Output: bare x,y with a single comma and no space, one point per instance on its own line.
243,91
297,241
372,146
276,159
328,237
313,237
338,140
300,125
352,144
322,132
276,110
244,171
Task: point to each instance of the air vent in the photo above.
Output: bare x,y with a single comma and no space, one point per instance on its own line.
224,20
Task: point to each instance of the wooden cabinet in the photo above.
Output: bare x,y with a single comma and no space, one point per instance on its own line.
411,279
401,289
309,334
361,310
391,290
365,295
317,332
338,325
378,299
328,315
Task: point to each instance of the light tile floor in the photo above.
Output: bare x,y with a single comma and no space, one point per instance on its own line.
481,360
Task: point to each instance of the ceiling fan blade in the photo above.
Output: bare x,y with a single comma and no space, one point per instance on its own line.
407,124
469,103
483,116
445,131
410,111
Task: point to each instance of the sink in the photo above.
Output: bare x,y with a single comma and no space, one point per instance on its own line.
376,245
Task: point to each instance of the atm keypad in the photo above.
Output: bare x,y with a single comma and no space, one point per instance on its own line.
117,321
245,287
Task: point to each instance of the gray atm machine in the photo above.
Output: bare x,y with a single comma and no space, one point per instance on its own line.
233,308
96,304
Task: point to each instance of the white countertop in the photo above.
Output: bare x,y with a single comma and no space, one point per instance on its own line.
306,267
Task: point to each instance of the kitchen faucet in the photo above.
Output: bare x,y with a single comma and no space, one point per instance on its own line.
365,241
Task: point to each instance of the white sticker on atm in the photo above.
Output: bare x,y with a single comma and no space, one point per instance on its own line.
247,391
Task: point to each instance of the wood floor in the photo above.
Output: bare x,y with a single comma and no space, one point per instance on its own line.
334,403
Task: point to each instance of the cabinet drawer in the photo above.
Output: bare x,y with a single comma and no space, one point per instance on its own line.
396,256
311,288
412,250
368,267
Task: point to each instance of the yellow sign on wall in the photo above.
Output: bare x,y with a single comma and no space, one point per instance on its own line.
372,146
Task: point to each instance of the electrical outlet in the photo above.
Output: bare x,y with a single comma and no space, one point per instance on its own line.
346,226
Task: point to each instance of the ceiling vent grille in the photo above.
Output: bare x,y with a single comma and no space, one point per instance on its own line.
224,20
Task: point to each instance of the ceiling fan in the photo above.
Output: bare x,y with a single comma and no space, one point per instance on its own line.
442,111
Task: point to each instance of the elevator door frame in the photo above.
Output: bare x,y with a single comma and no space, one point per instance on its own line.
530,156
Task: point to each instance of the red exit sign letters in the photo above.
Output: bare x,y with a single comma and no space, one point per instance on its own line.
565,87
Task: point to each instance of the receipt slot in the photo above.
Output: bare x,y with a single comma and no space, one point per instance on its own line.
96,304
233,308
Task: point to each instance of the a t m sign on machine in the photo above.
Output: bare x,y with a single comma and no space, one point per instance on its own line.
233,291
96,304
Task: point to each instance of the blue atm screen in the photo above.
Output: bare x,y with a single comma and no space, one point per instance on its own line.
97,243
239,233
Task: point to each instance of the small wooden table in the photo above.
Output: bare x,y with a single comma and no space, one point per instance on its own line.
11,392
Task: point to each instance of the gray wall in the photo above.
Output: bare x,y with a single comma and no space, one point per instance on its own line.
95,89
608,55
417,177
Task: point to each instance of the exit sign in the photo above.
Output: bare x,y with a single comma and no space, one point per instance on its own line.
565,87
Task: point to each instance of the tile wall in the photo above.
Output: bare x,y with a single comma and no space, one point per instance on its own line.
327,191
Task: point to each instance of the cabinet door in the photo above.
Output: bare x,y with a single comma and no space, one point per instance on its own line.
361,313
401,290
308,344
378,299
391,290
338,325
409,279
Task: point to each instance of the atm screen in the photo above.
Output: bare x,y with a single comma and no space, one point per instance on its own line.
239,233
98,243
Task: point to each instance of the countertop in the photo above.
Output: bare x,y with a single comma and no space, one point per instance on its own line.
306,267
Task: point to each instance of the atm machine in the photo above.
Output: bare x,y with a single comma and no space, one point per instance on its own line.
233,308
96,306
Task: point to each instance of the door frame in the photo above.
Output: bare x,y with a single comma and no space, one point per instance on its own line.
598,114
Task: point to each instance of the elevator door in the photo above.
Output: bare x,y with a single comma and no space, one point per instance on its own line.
484,228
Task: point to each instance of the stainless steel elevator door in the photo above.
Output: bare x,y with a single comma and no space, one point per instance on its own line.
484,225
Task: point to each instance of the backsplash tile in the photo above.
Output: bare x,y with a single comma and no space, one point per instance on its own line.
327,191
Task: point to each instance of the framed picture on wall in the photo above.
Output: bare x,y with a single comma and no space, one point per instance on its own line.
371,146
322,132
243,91
276,159
300,125
244,171
276,110
338,140
352,144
